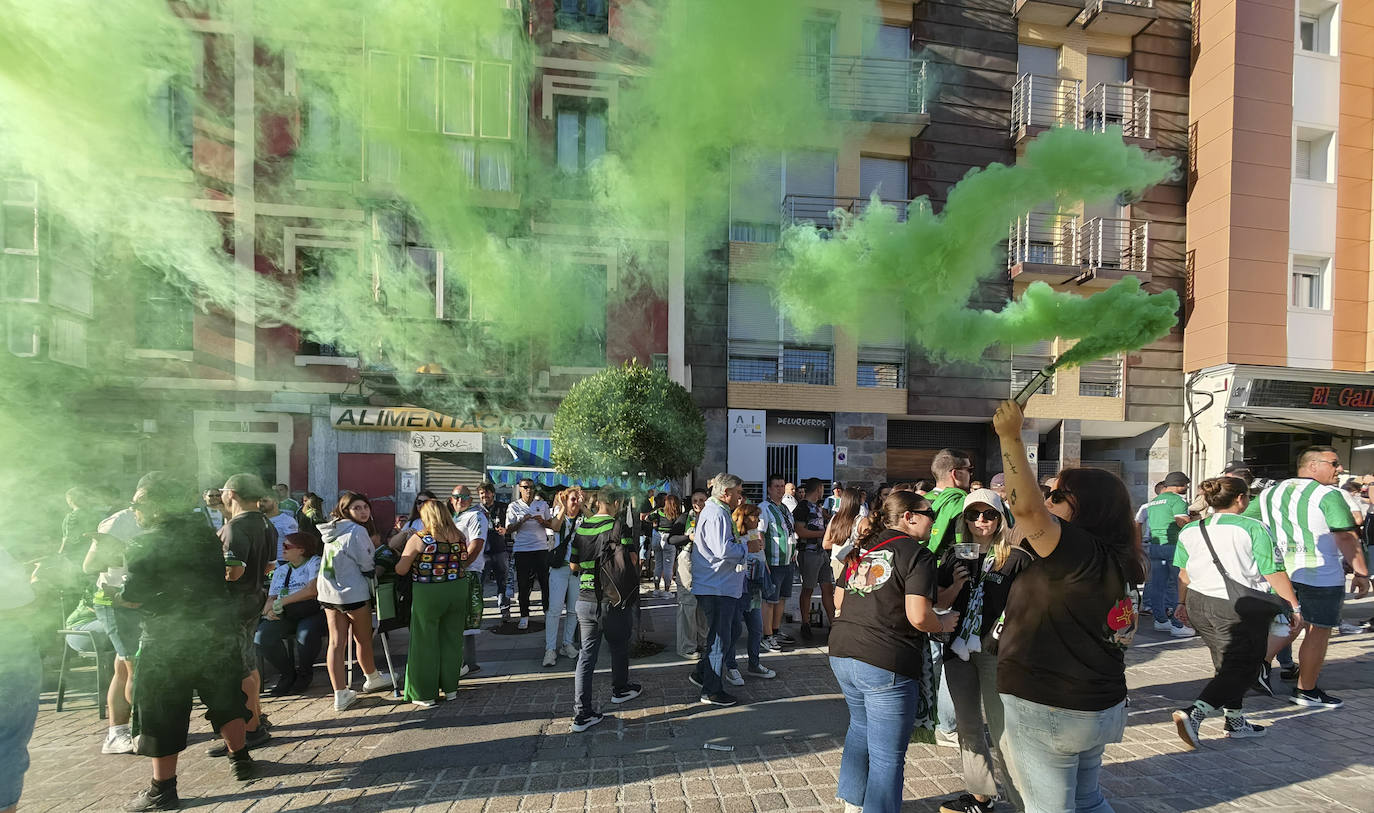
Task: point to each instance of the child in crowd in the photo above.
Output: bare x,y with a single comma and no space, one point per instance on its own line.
746,519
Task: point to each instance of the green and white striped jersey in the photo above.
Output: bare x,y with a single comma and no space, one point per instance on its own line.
1304,515
1244,546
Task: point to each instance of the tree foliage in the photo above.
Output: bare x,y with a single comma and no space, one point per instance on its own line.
628,419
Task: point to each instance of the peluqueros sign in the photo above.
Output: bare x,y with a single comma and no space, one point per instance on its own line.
405,419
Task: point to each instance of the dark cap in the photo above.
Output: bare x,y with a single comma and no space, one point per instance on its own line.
998,480
247,486
1236,465
1176,478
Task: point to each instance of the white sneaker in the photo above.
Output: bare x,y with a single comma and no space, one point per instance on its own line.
1184,631
1351,629
380,680
118,742
733,677
945,739
550,657
424,704
1164,626
344,698
569,651
524,623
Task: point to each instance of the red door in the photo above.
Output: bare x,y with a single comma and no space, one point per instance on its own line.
375,476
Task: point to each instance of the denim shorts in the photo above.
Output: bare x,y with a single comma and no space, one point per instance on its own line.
123,627
782,579
21,675
1320,606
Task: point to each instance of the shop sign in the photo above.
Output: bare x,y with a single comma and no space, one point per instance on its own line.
465,442
403,419
798,420
747,446
1311,395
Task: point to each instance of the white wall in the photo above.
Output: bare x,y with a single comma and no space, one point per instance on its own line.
1316,89
1312,217
1309,339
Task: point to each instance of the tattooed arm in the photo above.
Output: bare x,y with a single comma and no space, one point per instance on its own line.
1039,526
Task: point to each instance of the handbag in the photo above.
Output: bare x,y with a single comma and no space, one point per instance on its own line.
1249,602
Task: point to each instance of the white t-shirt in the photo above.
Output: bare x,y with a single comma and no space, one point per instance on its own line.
1244,546
474,524
531,536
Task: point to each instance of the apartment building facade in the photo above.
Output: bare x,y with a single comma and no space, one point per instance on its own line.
991,75
1277,351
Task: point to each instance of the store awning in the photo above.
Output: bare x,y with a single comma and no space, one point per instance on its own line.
534,459
1361,423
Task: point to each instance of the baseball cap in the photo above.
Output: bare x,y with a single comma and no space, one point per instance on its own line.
1236,465
986,496
999,479
1176,478
247,486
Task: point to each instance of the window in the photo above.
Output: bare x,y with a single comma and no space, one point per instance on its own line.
766,347
1316,22
882,348
164,315
885,176
316,266
19,240
587,16
68,345
581,133
330,144
1029,360
584,345
23,334
1307,283
1101,378
1312,155
755,195
170,98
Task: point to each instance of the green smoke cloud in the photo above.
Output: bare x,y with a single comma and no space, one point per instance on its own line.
931,264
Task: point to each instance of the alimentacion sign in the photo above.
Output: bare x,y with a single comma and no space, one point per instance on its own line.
406,419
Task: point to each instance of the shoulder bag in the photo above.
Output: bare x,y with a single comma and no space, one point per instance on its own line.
1248,601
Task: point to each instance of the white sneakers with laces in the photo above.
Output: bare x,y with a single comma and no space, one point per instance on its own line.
378,680
550,657
733,677
569,651
344,698
118,741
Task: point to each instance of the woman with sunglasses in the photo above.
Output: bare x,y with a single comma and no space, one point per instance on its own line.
879,652
991,562
293,611
1061,667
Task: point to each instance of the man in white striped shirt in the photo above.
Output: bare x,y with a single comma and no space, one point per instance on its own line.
1312,524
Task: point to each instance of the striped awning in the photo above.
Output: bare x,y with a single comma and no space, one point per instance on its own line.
534,459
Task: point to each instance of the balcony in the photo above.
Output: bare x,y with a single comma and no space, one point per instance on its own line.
1113,105
1041,102
1124,18
868,88
1064,248
820,210
1047,12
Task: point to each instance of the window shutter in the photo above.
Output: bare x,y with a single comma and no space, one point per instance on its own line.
1302,160
755,186
822,336
753,318
811,172
886,175
884,328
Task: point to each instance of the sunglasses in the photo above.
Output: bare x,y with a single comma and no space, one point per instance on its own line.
989,515
925,512
291,546
1059,495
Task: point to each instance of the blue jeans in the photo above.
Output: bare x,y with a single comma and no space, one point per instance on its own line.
614,623
752,621
1055,755
308,632
882,713
1161,590
21,674
720,612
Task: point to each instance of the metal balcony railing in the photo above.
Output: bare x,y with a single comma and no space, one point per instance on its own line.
1115,243
1044,239
820,209
1063,239
1115,105
1045,101
871,85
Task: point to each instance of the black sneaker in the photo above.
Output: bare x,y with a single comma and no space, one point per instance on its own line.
1262,684
585,721
696,681
1188,721
966,803
1241,728
719,699
784,638
157,796
627,694
806,632
1315,697
242,765
286,684
1289,672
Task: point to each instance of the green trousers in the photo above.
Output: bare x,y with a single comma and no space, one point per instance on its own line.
438,616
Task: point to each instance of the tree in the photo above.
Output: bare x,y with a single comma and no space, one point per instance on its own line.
628,419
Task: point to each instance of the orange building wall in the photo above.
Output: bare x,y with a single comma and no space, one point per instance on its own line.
1353,284
1241,109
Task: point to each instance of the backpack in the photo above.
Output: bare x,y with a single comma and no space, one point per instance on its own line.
617,578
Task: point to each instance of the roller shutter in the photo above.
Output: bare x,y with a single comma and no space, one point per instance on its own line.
441,472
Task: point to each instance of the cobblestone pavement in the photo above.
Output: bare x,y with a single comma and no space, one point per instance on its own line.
504,744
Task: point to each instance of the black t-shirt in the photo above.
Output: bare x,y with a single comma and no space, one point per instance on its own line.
675,528
872,625
251,539
996,587
808,516
176,575
496,541
593,535
1060,644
